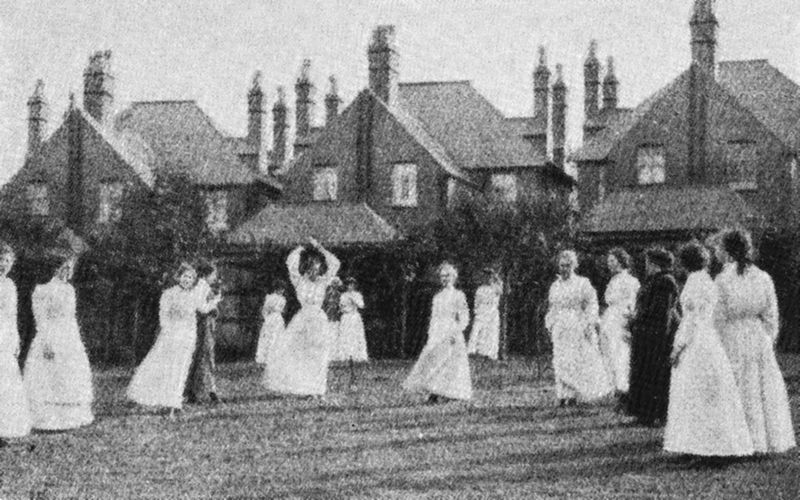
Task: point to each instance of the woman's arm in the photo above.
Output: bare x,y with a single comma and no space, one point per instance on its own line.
770,315
462,311
293,265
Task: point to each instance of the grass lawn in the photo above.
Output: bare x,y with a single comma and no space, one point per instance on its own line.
371,440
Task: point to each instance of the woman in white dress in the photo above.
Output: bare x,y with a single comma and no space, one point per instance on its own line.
298,364
57,375
615,336
442,369
352,343
15,418
747,321
484,338
571,320
161,377
274,324
705,415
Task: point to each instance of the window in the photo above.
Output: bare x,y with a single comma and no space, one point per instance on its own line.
216,210
450,192
601,185
740,159
404,185
650,165
110,206
504,186
325,184
39,198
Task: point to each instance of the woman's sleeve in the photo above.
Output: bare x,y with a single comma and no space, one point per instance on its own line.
358,300
463,311
332,262
550,316
590,306
293,265
205,304
771,316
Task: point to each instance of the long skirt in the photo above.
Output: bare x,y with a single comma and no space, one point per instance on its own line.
484,338
442,369
298,363
271,330
705,415
201,382
761,385
579,369
615,347
352,342
59,389
15,418
650,376
160,379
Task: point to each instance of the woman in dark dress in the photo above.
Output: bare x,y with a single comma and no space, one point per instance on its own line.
652,332
201,385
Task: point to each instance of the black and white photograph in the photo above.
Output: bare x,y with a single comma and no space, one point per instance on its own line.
390,249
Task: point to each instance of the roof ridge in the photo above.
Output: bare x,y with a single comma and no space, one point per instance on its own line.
164,101
438,82
733,61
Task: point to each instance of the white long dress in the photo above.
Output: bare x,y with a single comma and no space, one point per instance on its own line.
580,372
273,327
15,418
352,344
160,379
705,415
298,363
620,299
59,389
747,321
484,338
443,367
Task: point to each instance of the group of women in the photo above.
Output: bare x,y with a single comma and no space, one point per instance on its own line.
699,360
55,392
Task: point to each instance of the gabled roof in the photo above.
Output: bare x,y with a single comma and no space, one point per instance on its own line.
333,224
770,95
466,124
668,208
185,138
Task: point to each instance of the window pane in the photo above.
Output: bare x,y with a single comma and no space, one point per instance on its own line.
504,186
110,204
404,185
325,184
650,165
217,210
38,197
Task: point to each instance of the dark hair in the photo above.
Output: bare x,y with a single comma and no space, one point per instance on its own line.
183,267
660,257
310,255
279,285
694,256
622,257
205,268
6,249
350,280
738,245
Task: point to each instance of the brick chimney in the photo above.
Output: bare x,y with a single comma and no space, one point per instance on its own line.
98,84
255,112
332,102
591,88
279,127
541,94
37,119
703,26
559,122
610,86
304,102
383,64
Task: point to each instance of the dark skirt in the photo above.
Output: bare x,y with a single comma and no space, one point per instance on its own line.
201,383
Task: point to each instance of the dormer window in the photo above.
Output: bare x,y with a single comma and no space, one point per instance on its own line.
650,165
325,184
404,185
504,187
38,198
110,202
216,210
741,162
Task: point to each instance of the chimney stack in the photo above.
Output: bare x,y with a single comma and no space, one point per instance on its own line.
332,102
541,94
610,85
559,117
383,64
591,87
279,130
98,86
703,26
36,118
304,102
255,111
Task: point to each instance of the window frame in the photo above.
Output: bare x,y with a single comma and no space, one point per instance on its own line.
506,194
37,194
113,211
212,198
641,166
405,175
736,172
330,175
